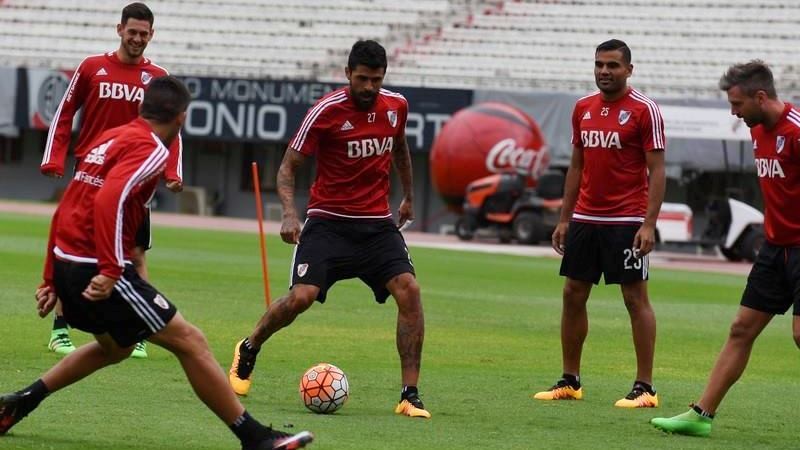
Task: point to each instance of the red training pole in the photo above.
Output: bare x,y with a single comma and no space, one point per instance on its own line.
260,217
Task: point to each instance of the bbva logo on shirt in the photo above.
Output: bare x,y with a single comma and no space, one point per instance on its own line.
119,91
97,155
600,139
369,147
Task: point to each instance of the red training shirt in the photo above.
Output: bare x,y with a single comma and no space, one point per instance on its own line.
109,91
777,158
105,202
353,149
614,137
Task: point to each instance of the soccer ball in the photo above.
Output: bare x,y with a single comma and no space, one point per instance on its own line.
324,388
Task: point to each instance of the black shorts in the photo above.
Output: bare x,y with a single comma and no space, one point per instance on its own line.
144,238
774,281
592,250
331,250
134,312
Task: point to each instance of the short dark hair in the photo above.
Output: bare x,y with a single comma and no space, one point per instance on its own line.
751,77
368,53
138,11
165,99
616,44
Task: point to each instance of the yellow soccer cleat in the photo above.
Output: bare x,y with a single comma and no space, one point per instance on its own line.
412,407
241,373
638,398
560,391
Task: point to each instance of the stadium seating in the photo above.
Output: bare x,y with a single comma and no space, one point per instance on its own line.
680,47
254,38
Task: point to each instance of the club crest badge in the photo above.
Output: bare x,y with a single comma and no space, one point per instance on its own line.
161,302
146,77
779,143
624,116
392,117
302,269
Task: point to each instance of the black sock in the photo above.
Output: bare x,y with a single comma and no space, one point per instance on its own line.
246,345
702,412
59,322
32,396
646,387
408,391
248,429
573,380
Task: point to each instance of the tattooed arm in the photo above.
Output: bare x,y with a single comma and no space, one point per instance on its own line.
401,158
290,225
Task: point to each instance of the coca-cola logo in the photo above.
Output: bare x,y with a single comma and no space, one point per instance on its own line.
506,155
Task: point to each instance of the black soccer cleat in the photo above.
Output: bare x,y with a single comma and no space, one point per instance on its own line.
278,440
10,412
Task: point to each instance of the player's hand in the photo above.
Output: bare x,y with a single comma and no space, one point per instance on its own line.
405,212
175,185
99,288
644,241
560,237
45,300
290,229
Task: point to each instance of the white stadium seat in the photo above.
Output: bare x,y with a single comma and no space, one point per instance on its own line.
680,47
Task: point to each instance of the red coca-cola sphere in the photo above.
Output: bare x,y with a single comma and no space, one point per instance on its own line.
481,140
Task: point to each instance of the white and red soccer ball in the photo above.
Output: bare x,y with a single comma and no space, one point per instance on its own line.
324,388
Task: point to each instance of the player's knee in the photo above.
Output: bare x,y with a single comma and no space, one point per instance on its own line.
634,303
193,340
574,295
300,299
187,339
115,355
741,331
408,288
407,293
797,338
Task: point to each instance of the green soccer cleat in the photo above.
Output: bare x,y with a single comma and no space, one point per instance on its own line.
60,342
140,351
689,423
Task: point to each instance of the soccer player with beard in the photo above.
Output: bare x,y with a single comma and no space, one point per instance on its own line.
108,88
774,281
87,265
609,216
356,133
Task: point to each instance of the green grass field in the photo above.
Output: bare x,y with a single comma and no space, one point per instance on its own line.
492,339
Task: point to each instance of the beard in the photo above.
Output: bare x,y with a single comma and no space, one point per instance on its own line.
134,51
365,102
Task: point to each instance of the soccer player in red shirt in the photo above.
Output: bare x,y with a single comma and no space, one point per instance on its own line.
772,286
108,88
88,267
356,133
609,216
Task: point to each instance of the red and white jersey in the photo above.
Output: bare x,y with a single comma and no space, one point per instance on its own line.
105,202
353,149
614,137
110,92
777,157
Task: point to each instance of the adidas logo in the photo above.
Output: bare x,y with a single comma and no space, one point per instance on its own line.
100,72
347,126
587,116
